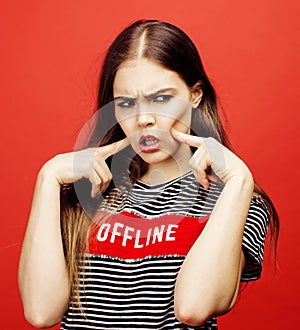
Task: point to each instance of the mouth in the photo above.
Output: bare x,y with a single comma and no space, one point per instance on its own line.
149,143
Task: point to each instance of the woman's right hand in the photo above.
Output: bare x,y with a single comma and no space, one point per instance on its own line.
87,163
43,276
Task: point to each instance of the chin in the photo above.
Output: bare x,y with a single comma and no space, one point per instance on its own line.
156,157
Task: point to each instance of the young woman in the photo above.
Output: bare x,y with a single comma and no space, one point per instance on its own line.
155,222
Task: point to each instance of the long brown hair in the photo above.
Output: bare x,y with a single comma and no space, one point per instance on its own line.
170,47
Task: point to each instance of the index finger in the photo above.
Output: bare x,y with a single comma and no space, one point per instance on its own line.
111,149
190,140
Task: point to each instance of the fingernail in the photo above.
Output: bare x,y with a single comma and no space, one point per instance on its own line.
94,194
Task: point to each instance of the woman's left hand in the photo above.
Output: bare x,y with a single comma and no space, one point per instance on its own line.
209,279
212,154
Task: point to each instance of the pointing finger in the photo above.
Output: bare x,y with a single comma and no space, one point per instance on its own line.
113,148
191,140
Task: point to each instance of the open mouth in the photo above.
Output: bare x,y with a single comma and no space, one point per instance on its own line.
149,143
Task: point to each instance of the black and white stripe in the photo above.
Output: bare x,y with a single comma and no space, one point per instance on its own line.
182,196
138,293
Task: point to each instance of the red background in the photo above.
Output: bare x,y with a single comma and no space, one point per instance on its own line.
50,57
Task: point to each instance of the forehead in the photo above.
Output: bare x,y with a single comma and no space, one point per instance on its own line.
142,76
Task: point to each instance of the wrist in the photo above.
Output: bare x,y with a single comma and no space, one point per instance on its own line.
242,180
48,176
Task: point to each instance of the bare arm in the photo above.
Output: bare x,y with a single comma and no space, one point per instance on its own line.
208,282
43,277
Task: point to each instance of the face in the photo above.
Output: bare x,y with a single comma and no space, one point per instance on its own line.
149,101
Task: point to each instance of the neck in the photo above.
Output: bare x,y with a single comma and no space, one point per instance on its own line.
171,169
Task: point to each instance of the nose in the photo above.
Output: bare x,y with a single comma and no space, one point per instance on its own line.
145,119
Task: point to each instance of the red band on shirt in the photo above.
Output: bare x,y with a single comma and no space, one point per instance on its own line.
128,236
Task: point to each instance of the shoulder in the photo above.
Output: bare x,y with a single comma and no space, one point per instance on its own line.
259,208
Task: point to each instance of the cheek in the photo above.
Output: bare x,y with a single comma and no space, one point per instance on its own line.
129,130
181,114
179,126
125,123
183,122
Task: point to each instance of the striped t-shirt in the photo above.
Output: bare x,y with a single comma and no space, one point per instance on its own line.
134,257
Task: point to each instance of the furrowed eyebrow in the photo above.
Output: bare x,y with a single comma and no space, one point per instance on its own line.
160,91
127,98
148,96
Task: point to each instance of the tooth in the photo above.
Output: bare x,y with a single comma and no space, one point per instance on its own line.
150,142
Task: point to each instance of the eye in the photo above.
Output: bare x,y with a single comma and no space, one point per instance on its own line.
162,98
126,104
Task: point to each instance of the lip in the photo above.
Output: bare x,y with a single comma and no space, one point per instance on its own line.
149,143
